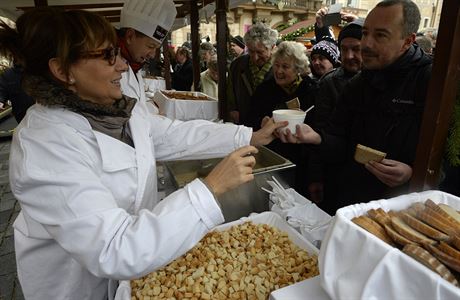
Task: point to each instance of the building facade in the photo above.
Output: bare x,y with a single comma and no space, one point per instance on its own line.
276,12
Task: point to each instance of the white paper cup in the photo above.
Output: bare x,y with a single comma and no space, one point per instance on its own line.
293,116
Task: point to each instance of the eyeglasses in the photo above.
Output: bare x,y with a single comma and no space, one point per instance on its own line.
109,54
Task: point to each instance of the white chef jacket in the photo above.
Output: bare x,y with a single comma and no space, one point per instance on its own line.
132,85
88,200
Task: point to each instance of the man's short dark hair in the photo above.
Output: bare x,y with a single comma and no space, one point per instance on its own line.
411,14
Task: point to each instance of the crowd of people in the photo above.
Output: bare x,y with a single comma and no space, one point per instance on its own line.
83,158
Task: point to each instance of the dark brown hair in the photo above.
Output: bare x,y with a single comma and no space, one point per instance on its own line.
45,33
411,14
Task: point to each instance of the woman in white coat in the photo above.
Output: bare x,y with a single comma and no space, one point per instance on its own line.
82,164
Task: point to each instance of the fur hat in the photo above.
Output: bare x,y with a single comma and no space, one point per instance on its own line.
353,30
152,18
327,48
239,41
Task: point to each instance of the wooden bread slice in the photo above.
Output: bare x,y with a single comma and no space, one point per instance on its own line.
408,232
424,257
373,227
380,216
447,212
424,228
433,218
444,258
449,250
397,238
456,242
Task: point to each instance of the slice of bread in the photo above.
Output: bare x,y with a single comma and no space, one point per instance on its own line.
380,216
365,154
414,209
397,238
431,217
373,227
424,257
449,250
424,228
293,104
456,242
444,258
408,232
448,213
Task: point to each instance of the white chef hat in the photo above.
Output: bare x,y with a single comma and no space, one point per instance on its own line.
152,18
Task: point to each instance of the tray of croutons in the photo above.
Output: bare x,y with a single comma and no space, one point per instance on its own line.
244,259
182,105
406,247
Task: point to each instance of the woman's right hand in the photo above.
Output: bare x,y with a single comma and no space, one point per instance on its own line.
232,171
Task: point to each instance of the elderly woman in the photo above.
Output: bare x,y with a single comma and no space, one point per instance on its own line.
83,164
289,63
210,78
207,51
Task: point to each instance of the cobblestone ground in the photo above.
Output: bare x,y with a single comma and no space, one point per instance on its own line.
9,209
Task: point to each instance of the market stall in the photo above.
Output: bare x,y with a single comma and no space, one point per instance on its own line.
359,266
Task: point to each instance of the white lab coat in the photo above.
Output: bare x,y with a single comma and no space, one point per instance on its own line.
132,85
88,200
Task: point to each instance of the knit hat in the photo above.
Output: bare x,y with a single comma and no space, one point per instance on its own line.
327,48
152,18
239,41
353,30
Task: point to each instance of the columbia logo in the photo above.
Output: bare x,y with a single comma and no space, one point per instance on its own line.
400,101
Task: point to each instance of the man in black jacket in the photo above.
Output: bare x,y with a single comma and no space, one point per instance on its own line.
382,108
331,86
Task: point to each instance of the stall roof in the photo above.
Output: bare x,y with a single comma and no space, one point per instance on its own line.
109,8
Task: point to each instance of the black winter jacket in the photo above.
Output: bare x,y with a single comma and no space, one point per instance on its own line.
331,86
380,109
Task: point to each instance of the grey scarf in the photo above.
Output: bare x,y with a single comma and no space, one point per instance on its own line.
108,119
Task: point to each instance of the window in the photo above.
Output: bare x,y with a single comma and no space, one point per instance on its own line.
425,22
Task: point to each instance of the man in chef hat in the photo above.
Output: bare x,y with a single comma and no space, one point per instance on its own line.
144,25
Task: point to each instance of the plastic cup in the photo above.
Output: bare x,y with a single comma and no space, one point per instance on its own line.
293,116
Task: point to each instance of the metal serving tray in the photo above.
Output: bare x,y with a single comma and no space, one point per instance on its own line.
248,197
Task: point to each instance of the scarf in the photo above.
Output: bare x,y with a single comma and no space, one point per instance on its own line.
125,53
258,74
111,120
293,86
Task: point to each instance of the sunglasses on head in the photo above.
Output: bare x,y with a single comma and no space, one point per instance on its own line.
109,54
